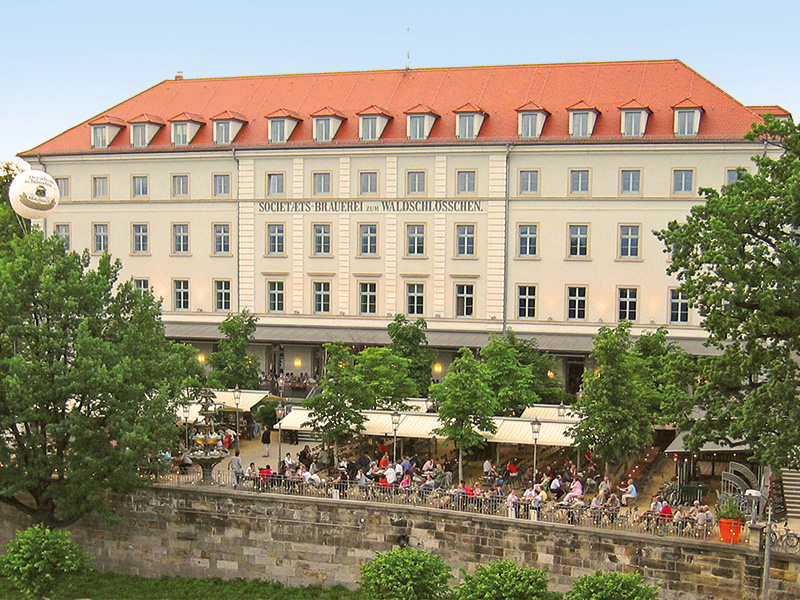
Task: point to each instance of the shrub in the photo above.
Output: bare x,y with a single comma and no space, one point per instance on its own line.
37,556
611,586
405,574
505,580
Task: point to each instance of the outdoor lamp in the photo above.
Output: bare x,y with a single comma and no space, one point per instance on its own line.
536,428
562,411
237,396
395,423
280,412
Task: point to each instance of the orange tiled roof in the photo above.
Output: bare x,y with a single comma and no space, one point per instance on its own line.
229,115
469,107
530,106
107,120
327,111
687,103
374,110
775,111
145,118
659,85
284,113
633,104
186,116
582,105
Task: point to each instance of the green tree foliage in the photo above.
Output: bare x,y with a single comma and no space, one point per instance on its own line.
508,378
334,413
410,342
547,386
619,401
87,381
466,405
505,580
611,586
386,377
232,364
405,574
737,257
37,557
11,225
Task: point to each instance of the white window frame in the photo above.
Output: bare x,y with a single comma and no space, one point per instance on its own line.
368,183
277,131
101,238
679,182
578,241
63,232
627,303
140,238
415,299
632,123
222,132
141,284
581,127
140,186
731,176
181,295
276,296
322,129
528,122
465,300
180,190
528,182
368,298
629,247
577,296
220,189
368,239
369,128
321,181
415,183
526,301
678,307
180,134
685,125
100,187
630,182
466,181
276,239
63,187
321,239
416,127
99,136
276,184
579,181
221,242
415,240
138,135
466,126
527,240
180,240
222,295
321,297
465,240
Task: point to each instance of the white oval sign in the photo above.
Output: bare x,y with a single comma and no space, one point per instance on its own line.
33,194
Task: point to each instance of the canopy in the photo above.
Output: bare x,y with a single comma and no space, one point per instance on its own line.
224,400
677,446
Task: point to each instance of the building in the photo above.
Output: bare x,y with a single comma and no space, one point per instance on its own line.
481,199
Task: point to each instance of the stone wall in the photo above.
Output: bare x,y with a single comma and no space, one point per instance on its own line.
299,541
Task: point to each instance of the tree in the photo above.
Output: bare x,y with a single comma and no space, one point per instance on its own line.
386,377
405,574
509,380
611,586
545,384
737,257
11,225
505,580
87,381
466,405
618,402
335,412
232,364
410,342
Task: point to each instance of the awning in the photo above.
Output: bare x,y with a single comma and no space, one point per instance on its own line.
224,400
677,447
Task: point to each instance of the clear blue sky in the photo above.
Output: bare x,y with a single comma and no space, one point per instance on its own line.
68,61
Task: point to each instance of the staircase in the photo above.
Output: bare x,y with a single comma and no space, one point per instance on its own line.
791,491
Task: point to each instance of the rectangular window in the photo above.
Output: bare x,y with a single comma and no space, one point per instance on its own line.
466,127
322,239
180,288
99,187
222,238
416,127
633,123
368,183
275,238
322,183
368,298
141,238
631,179
222,132
368,235
277,129
322,297
731,175
528,125
64,233
369,128
685,122
580,124
578,241
180,186
415,234
529,182
416,182
627,304
527,302
415,299
222,185
465,297
275,184
141,285
466,182
465,240
579,181
322,129
180,134
222,295
100,238
682,181
180,238
576,303
140,186
139,135
275,296
63,187
629,241
678,307
527,240
99,136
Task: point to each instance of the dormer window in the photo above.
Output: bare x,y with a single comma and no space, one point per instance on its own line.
582,119
469,119
326,123
530,120
99,137
687,118
105,129
144,128
633,119
138,135
184,127
281,125
372,122
419,122
369,128
227,126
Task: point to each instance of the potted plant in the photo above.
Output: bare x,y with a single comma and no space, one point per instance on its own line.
730,519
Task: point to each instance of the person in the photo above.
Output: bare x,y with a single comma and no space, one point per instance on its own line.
384,461
305,456
487,467
555,487
513,502
612,507
606,486
391,474
695,509
289,462
428,466
265,440
575,490
406,482
235,465
679,516
630,495
665,514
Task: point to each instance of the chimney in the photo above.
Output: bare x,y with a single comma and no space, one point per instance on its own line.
179,76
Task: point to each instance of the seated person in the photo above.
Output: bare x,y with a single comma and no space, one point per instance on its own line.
630,495
575,490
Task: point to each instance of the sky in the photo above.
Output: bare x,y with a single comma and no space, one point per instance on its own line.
67,61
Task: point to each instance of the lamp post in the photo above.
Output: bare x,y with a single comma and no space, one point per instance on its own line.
186,425
237,397
280,412
395,424
536,428
562,411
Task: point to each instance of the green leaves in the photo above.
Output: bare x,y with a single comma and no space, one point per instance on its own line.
505,580
405,574
232,365
409,341
611,586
